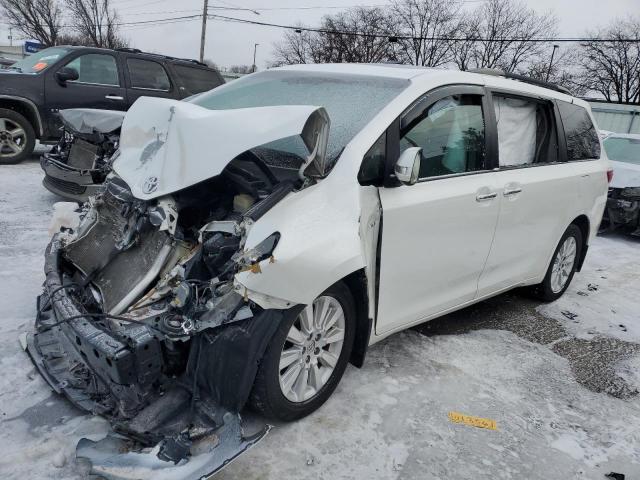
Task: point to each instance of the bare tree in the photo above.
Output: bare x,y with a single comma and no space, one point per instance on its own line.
422,20
37,19
562,71
365,45
96,23
299,46
499,34
612,68
241,69
362,43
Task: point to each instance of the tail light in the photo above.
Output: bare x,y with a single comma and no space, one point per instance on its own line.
609,176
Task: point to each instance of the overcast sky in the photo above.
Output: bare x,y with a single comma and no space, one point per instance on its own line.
232,43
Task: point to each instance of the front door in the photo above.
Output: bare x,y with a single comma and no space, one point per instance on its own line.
100,85
437,233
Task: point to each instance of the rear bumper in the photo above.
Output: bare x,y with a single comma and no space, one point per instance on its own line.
68,182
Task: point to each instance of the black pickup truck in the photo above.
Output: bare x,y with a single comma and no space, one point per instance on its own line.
33,90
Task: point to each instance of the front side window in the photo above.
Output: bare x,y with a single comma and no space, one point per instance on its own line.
196,80
95,68
526,131
372,167
581,135
623,149
40,61
148,74
451,135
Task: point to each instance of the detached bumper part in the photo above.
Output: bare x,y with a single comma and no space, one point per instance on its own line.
113,458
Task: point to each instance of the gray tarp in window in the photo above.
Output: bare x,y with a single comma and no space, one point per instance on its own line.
516,120
90,120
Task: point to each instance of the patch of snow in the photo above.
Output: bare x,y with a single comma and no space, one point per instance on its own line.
604,295
387,420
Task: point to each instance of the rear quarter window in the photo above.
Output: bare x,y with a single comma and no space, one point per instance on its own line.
582,138
196,80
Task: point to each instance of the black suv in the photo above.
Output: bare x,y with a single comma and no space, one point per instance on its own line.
33,90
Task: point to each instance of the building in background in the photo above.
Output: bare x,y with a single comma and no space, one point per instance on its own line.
616,117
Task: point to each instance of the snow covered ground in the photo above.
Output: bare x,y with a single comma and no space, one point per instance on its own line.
561,381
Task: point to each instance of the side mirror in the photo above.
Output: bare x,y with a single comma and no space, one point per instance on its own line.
66,74
407,168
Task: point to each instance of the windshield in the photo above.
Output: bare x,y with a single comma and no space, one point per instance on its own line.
38,62
622,149
350,100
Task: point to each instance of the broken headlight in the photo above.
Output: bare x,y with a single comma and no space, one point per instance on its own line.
249,258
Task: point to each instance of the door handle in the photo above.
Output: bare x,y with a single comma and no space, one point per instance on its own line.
511,191
113,97
485,196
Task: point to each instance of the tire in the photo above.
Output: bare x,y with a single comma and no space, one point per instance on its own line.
268,397
12,121
549,290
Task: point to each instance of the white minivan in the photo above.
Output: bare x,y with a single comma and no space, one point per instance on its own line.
252,241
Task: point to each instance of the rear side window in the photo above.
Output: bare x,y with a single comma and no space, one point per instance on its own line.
526,131
148,74
196,80
95,68
581,135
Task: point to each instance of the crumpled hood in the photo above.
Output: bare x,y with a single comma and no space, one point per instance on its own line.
625,175
90,120
167,145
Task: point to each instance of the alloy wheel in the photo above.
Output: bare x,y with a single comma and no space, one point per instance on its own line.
563,264
312,349
13,138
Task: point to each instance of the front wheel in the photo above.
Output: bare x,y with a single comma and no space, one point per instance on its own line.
17,138
563,266
306,357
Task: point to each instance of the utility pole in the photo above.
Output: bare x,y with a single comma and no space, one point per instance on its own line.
204,29
255,47
551,61
10,36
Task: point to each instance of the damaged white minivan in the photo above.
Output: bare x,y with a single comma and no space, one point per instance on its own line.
252,241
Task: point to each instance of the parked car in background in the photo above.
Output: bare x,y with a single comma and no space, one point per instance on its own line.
623,205
35,89
249,243
77,166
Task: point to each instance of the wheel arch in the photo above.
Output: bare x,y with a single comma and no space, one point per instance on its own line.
582,222
26,108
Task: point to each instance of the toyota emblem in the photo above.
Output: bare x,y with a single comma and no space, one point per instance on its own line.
150,185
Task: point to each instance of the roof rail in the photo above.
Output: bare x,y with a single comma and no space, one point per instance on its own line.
137,50
127,49
522,78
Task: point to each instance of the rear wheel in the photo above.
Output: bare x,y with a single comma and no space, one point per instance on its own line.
306,357
563,266
17,138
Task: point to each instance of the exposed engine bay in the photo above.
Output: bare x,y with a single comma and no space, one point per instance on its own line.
141,320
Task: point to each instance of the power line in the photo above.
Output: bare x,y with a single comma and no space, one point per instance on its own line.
299,29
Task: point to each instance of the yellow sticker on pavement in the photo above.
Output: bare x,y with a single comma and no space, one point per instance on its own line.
487,423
